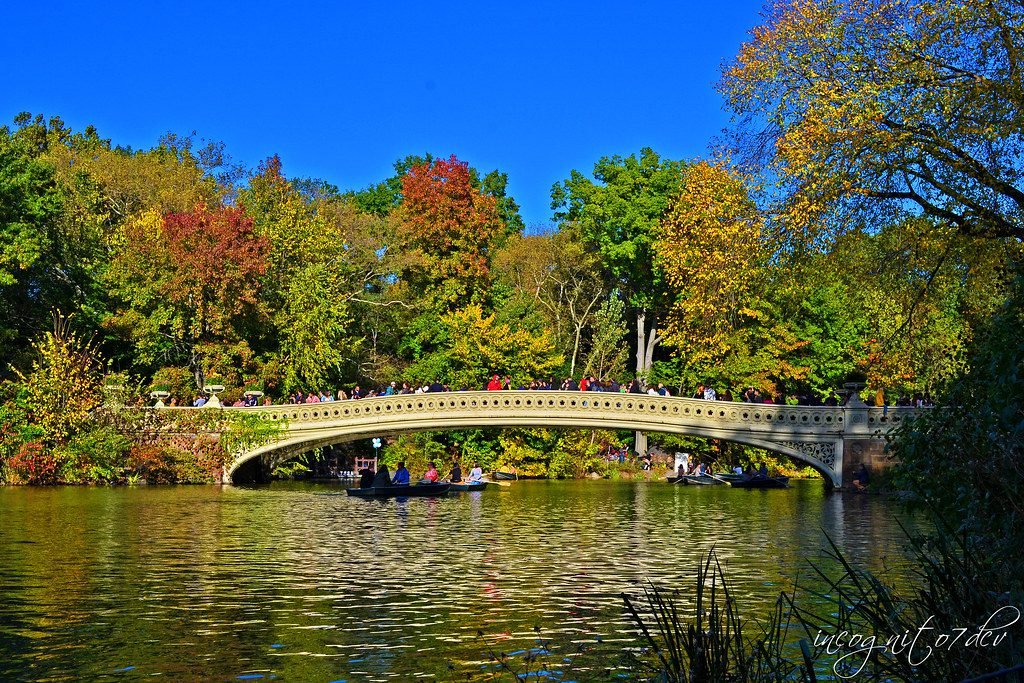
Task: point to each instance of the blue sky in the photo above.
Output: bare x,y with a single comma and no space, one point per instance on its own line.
341,92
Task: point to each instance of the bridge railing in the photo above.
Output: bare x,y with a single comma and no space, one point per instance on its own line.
562,401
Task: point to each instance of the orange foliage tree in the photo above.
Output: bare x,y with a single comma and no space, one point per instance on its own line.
186,280
451,228
714,255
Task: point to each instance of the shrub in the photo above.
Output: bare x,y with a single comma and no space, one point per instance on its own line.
98,456
154,463
33,464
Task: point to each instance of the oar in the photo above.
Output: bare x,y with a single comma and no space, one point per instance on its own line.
495,481
724,481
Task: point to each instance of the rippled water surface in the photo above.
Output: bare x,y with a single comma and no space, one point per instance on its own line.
295,582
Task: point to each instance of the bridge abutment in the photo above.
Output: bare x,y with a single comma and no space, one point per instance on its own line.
867,451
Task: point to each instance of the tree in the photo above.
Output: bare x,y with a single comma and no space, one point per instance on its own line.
451,228
916,291
617,217
63,387
315,329
30,203
726,319
386,196
330,267
866,112
468,346
608,353
186,280
563,278
711,251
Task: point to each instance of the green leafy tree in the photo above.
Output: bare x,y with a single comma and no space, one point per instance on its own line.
468,347
608,352
618,218
30,204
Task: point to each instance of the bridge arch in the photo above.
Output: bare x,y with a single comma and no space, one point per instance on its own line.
813,435
282,451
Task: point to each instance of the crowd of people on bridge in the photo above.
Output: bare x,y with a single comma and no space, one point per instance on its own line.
706,392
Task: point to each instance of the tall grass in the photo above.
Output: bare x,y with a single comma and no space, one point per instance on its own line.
709,642
922,633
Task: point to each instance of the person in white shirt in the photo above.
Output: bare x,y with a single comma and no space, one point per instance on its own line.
476,474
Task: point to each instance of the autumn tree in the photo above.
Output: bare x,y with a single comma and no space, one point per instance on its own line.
185,280
451,228
866,112
63,385
714,256
384,197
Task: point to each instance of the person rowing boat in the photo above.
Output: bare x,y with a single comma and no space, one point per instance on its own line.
456,475
401,476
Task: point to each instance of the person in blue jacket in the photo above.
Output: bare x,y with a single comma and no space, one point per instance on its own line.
401,476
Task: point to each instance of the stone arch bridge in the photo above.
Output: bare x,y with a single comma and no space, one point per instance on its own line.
833,440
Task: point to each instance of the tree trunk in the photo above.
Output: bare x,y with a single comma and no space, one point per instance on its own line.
641,444
645,344
641,346
575,350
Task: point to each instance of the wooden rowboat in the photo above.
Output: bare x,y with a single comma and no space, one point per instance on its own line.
419,490
762,483
507,476
705,480
469,486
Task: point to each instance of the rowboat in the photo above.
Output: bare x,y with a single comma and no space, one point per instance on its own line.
419,490
469,486
508,476
762,483
675,480
705,480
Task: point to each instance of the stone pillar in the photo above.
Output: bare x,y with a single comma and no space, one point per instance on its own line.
869,452
861,445
856,436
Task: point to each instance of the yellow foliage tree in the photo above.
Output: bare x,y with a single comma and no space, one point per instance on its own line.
63,386
713,252
866,111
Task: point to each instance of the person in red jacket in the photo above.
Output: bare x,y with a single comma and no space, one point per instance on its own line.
431,475
494,384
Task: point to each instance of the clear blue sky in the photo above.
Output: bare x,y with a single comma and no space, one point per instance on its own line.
340,92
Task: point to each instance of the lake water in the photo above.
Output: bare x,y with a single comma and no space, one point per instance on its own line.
294,582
